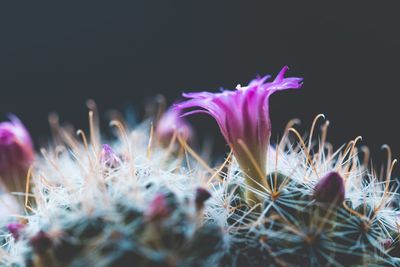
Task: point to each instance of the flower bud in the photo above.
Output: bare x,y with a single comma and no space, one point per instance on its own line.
330,189
202,195
41,242
171,123
16,154
108,158
161,206
42,246
15,229
386,243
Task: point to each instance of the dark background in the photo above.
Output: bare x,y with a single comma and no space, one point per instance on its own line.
55,55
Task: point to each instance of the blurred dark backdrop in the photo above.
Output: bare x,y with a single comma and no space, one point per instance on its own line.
55,55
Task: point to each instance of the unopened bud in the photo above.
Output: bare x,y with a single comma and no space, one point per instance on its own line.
171,123
386,243
330,189
41,242
160,207
202,195
108,158
15,229
16,153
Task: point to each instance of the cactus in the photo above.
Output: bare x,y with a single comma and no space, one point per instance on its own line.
141,200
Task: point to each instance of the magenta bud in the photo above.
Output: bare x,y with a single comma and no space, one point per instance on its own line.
16,149
41,242
387,243
159,207
108,158
330,189
171,123
15,229
202,195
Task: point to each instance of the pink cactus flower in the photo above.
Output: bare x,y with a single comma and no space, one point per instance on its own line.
243,118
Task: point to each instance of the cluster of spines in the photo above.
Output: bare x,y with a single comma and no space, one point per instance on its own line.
165,234
308,220
299,208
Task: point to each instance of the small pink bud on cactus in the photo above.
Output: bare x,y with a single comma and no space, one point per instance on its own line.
159,208
15,229
243,118
330,189
202,195
108,158
41,242
16,154
387,243
171,123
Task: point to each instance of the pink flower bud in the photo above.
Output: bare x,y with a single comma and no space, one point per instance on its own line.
16,154
15,229
330,189
160,207
386,243
16,149
108,158
172,123
41,242
202,195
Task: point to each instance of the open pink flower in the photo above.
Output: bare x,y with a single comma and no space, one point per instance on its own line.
243,118
16,149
